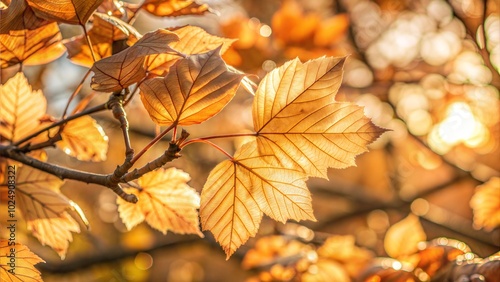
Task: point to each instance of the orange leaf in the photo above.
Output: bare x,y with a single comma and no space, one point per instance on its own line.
84,139
486,204
192,40
31,47
65,11
174,8
291,25
326,270
402,238
19,16
21,108
23,269
166,202
195,89
297,118
127,67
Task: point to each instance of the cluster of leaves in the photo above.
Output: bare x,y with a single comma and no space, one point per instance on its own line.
300,130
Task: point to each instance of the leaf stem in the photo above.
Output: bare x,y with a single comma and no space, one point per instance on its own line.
75,92
202,139
87,37
152,142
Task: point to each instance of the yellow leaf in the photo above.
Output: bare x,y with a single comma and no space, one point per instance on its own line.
45,208
166,202
192,40
84,139
486,204
65,11
325,270
174,8
402,238
21,108
31,47
22,268
297,118
119,71
195,89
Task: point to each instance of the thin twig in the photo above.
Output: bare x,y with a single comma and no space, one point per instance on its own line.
80,85
152,142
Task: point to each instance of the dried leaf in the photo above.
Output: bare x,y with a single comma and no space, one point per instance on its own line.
486,204
402,238
174,8
84,139
439,254
195,89
166,202
19,16
21,108
23,270
65,11
192,40
31,47
127,67
45,208
297,118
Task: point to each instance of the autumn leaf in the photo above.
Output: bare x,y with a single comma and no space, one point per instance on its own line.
45,209
195,89
174,8
238,191
291,25
192,40
21,108
31,47
325,270
84,139
23,270
65,11
486,204
403,237
297,118
19,16
125,68
166,202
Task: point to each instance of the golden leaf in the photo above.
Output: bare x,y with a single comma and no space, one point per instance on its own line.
195,89
65,11
31,47
238,191
174,8
402,238
23,269
84,139
21,108
45,208
297,118
166,202
325,270
127,67
486,204
19,16
192,40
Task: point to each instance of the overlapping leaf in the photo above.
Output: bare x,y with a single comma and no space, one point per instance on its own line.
21,108
195,89
174,8
45,208
297,118
238,191
84,139
192,40
486,204
18,16
166,202
24,269
65,11
127,67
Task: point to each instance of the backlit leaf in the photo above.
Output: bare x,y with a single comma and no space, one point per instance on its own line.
23,270
174,8
166,202
486,204
403,237
127,67
326,270
21,109
297,118
84,139
65,11
19,16
195,89
31,47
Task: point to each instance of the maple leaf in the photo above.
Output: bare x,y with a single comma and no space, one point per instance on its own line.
239,191
21,108
45,208
166,202
18,16
174,8
297,118
486,204
127,67
195,89
24,269
192,40
31,47
84,139
65,11
402,238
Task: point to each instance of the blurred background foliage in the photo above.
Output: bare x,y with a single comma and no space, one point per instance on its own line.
426,69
